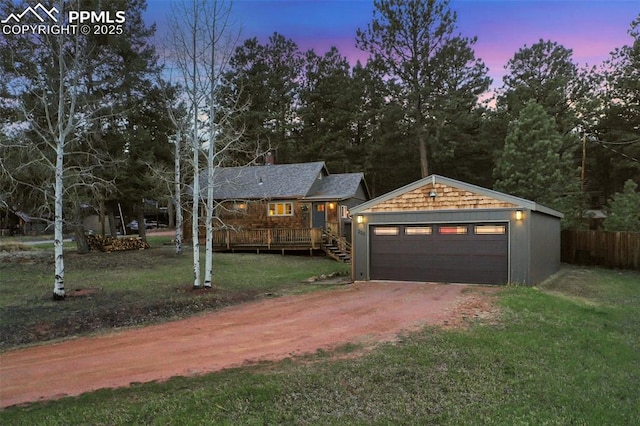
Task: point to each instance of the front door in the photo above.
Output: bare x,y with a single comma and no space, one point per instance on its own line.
318,216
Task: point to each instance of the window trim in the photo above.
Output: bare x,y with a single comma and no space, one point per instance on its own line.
287,209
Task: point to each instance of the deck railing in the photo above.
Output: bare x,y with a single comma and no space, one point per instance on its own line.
272,238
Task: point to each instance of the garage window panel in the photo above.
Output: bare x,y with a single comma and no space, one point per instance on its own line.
453,230
386,230
490,229
418,230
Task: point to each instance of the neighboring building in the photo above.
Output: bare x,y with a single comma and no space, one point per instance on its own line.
22,223
594,218
442,230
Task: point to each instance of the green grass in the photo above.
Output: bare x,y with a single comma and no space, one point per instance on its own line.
137,287
565,353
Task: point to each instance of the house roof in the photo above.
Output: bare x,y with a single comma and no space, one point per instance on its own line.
433,179
338,186
284,181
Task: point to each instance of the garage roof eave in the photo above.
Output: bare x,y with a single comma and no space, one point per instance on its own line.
546,210
519,202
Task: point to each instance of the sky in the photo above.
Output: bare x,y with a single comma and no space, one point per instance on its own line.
591,28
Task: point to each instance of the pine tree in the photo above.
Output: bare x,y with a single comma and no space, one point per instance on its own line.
624,210
328,110
530,166
264,79
415,46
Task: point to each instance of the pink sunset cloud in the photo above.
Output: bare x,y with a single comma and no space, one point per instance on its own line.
592,29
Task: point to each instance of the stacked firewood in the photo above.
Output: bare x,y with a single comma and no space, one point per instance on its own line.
109,243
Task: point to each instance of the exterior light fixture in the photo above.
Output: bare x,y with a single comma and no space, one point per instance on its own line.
360,219
332,206
519,215
433,193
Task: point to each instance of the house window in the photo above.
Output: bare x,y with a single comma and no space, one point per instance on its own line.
453,230
319,207
491,229
280,209
344,211
418,230
239,207
385,230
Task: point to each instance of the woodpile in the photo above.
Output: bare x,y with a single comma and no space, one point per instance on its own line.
108,243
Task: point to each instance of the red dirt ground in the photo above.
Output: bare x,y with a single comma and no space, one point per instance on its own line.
270,329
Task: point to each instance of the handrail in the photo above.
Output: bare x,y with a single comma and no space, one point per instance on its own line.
268,237
340,242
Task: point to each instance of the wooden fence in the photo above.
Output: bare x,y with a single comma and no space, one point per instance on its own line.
609,249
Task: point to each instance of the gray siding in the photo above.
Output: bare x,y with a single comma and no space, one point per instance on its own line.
519,253
358,198
545,247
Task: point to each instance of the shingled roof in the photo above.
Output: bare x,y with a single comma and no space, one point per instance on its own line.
339,186
281,181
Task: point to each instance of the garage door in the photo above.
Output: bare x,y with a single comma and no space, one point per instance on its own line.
457,253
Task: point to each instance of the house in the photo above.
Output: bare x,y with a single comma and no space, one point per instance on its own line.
443,230
17,222
280,204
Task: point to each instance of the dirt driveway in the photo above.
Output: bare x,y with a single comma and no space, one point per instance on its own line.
270,329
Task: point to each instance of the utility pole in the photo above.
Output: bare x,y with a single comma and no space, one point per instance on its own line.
584,159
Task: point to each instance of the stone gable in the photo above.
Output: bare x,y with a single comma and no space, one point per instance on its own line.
449,198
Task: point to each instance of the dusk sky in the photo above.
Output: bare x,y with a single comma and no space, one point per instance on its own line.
591,28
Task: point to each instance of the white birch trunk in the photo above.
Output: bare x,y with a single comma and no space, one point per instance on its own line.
195,216
178,195
62,132
208,262
58,286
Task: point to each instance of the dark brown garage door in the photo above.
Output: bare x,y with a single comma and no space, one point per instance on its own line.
456,253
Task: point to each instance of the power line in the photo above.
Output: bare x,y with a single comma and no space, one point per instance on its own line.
628,142
604,145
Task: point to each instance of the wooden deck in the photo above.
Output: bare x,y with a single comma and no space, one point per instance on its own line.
268,239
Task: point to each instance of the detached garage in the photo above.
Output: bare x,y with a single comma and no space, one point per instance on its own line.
442,230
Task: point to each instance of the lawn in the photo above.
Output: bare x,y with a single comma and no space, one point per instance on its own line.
106,290
567,352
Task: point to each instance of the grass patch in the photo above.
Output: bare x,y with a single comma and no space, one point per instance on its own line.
13,246
564,353
106,290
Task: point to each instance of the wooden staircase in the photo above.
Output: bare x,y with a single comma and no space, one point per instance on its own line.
336,247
